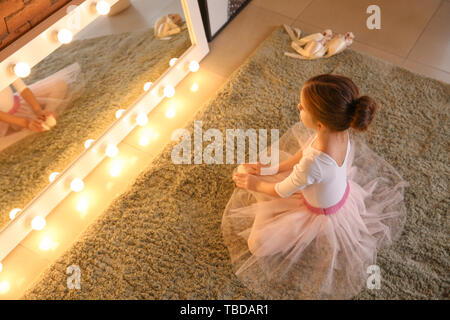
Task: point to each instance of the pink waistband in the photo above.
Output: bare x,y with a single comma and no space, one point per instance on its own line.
329,210
16,105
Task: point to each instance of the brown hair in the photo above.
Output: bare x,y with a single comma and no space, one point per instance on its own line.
335,101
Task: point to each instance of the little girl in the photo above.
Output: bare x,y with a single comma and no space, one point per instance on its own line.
313,229
27,110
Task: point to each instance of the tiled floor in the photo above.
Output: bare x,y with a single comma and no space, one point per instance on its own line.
414,34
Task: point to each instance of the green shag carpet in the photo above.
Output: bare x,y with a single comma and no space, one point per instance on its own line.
162,240
115,69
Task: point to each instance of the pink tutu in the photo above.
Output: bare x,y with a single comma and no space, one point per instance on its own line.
305,255
54,93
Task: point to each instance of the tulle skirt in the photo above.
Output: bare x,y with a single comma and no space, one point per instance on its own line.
281,250
54,93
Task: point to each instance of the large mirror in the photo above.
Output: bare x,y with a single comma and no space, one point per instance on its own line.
74,94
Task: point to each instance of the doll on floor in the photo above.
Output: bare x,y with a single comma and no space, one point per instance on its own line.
169,25
313,229
35,108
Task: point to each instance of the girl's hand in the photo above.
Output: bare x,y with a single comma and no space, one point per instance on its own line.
35,125
246,181
44,114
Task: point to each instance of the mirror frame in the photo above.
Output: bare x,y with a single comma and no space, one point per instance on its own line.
32,52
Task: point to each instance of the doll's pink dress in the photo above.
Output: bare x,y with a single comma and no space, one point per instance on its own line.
319,239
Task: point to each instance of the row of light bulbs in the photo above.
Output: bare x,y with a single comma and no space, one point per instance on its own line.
63,35
111,150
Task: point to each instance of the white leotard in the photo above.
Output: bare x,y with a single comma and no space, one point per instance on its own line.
321,180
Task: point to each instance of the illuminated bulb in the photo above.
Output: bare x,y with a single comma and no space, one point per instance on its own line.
45,244
172,61
52,176
22,69
141,119
119,113
65,36
194,87
169,91
13,213
82,204
116,169
77,185
194,66
103,8
38,223
170,113
147,86
4,287
88,143
112,150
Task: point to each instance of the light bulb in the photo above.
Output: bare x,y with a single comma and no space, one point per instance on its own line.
172,61
38,223
22,70
119,113
147,86
77,185
103,7
88,143
170,113
4,287
141,119
194,87
194,66
112,150
169,91
65,36
52,176
13,213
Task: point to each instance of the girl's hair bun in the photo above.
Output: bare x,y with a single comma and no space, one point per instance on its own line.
364,111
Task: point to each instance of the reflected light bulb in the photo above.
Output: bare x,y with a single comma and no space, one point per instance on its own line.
103,7
4,287
22,70
65,36
52,176
45,244
194,87
88,143
112,150
77,185
194,66
147,86
38,223
13,213
144,140
169,91
170,113
141,119
172,61
116,169
82,204
119,113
